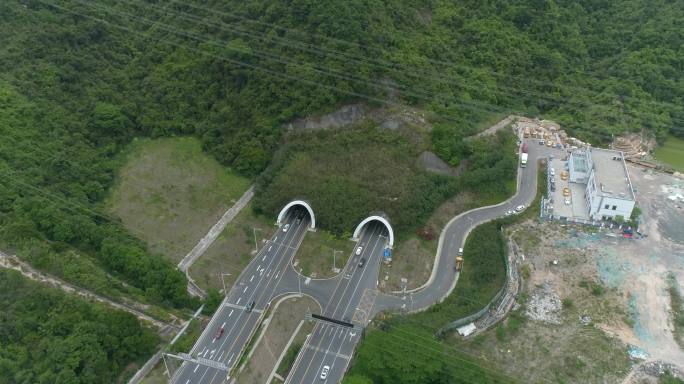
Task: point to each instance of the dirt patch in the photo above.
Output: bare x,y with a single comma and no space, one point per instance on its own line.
281,326
431,162
412,262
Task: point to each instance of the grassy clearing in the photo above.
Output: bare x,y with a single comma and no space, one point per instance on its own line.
232,250
315,255
537,353
677,309
170,193
292,352
672,153
278,332
185,342
413,260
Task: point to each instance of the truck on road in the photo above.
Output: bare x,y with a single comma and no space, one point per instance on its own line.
523,160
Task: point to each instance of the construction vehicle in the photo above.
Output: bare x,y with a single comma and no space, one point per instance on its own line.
459,263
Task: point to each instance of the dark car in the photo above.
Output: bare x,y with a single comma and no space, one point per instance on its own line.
362,262
219,333
249,307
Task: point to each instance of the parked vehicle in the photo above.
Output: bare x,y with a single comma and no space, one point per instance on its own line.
566,191
520,208
523,160
358,250
524,148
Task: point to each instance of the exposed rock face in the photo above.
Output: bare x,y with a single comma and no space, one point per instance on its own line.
346,115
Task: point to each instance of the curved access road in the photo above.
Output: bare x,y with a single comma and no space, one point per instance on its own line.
453,236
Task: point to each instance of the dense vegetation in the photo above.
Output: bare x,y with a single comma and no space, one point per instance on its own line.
347,174
47,336
53,177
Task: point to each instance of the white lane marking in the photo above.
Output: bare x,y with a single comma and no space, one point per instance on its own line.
187,382
259,267
221,355
276,238
212,340
250,279
231,358
238,302
276,276
269,248
223,325
205,353
269,273
262,272
245,290
195,370
231,313
263,258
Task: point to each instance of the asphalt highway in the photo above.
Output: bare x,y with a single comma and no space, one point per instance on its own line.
332,345
257,283
352,296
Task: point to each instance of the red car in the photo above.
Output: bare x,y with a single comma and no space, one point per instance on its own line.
219,333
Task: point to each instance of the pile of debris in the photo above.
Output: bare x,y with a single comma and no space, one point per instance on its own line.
659,368
544,305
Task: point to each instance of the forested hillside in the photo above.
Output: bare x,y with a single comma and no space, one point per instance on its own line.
80,79
47,336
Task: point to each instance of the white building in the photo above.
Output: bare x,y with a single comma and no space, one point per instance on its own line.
608,191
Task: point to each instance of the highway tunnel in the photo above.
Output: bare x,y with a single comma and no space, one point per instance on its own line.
380,219
298,207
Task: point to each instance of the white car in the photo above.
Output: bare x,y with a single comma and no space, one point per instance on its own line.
509,212
358,250
519,208
553,172
324,372
286,227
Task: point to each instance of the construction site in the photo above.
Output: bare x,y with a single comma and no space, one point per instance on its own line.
592,304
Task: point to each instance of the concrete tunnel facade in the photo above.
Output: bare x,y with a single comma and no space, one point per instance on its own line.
383,220
283,212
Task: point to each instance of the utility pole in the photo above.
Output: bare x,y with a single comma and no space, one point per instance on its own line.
335,270
225,292
256,247
299,280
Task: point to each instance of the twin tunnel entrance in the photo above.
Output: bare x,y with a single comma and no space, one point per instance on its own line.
357,231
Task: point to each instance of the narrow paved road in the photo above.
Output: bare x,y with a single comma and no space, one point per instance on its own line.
444,278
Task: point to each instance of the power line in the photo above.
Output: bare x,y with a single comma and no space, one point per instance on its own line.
391,65
279,74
